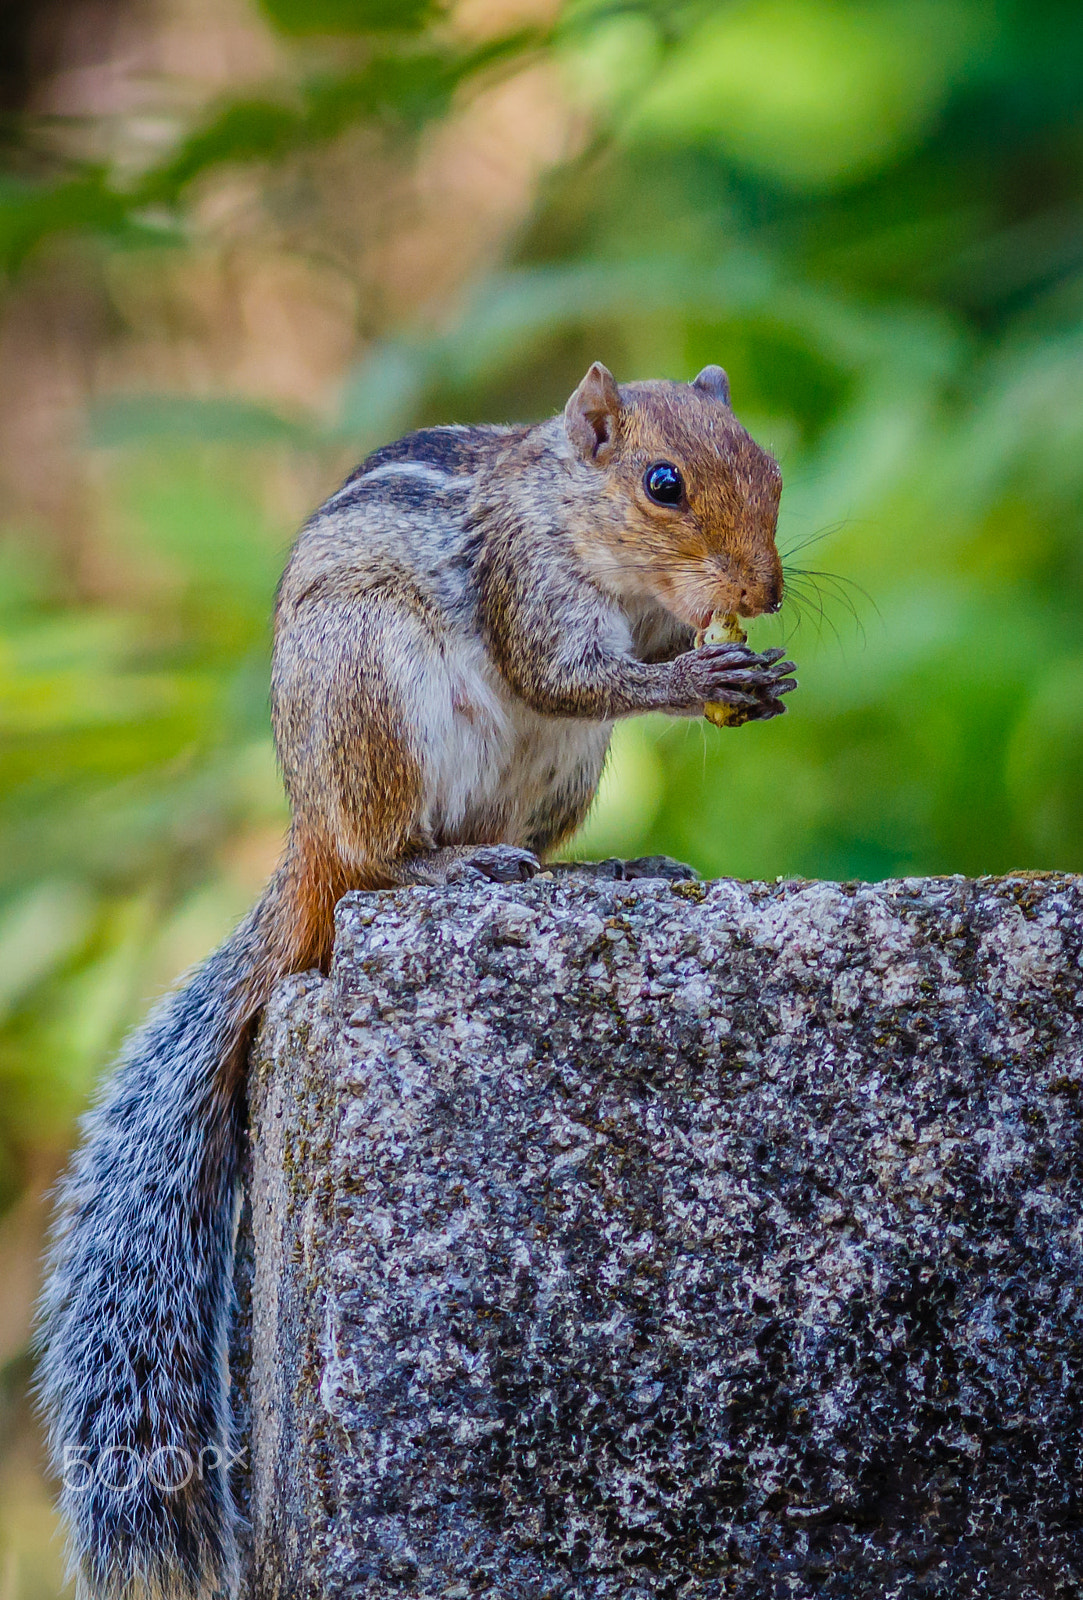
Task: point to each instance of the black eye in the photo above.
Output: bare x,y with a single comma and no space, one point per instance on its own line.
663,483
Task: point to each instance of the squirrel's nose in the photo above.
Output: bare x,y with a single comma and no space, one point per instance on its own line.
773,596
769,599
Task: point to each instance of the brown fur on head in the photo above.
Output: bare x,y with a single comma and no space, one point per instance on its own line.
713,550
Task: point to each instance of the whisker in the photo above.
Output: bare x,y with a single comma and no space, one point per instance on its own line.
830,577
821,533
813,597
821,582
814,538
796,603
848,594
839,588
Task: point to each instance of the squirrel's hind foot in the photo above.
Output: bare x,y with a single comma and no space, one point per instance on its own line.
499,863
468,863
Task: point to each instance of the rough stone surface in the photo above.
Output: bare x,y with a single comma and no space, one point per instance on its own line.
637,1239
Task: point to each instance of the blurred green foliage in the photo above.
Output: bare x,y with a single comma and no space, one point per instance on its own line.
871,213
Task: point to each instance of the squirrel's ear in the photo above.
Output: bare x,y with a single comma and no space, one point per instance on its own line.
591,414
713,381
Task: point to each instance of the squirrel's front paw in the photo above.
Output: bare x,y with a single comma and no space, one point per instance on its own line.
733,675
497,863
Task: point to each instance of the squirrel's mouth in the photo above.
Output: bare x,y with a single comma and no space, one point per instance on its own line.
695,613
730,601
694,596
753,598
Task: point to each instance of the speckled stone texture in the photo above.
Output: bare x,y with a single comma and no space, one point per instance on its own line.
654,1238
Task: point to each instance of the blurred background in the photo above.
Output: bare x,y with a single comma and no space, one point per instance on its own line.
243,241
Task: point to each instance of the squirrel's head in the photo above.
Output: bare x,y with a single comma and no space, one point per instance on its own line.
687,501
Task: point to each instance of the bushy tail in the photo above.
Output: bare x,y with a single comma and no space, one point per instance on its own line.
134,1317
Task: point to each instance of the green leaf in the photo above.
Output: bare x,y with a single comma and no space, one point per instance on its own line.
348,16
252,130
31,213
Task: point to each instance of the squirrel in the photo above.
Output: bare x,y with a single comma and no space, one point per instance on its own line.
456,631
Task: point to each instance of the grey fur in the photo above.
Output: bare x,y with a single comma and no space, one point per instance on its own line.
137,1299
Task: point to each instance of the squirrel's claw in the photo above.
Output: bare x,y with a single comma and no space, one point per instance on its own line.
733,675
496,863
769,703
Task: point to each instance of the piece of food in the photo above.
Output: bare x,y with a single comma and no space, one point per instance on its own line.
723,628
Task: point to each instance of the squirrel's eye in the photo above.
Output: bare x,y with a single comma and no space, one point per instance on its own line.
663,483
